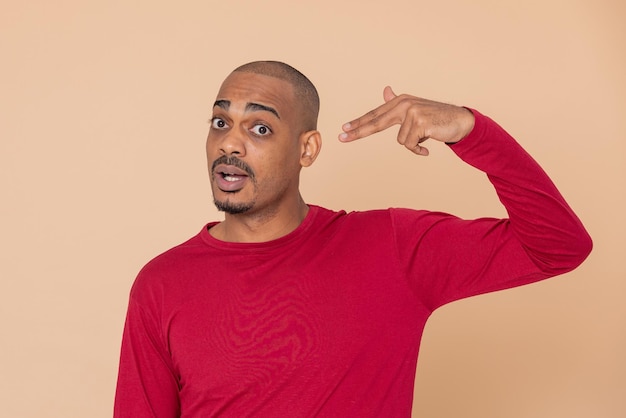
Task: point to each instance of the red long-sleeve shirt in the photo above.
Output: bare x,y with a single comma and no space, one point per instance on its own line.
327,320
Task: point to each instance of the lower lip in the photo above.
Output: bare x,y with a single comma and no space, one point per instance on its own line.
230,186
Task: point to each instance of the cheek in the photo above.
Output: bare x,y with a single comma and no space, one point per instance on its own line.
273,173
273,161
279,161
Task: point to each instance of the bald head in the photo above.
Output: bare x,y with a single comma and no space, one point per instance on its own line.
305,92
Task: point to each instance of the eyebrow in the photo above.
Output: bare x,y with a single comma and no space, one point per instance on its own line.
250,107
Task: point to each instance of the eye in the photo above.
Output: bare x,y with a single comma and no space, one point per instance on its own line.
218,123
261,130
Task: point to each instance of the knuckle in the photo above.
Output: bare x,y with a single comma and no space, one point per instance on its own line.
415,113
406,100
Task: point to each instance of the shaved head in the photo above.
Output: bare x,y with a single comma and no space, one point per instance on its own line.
305,92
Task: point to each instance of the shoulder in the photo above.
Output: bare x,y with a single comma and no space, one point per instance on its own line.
163,272
379,219
323,216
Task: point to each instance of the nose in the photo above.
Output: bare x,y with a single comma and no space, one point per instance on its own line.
233,143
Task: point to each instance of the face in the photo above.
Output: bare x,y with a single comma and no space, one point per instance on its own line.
254,151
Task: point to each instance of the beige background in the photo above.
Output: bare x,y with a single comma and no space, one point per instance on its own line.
103,115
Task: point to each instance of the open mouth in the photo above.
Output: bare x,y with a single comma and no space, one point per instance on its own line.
230,178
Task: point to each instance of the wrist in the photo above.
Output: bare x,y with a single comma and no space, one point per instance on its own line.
466,123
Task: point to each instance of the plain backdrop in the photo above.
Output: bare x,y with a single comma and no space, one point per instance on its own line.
103,116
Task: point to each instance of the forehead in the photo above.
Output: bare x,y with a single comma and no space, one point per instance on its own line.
241,88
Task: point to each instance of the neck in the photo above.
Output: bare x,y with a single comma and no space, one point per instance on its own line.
261,226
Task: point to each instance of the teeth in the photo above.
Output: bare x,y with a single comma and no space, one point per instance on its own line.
231,177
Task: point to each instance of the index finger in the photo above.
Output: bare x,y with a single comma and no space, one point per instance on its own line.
374,121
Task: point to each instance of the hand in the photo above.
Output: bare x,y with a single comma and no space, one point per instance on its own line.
419,120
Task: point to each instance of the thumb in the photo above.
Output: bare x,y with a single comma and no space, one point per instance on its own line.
388,94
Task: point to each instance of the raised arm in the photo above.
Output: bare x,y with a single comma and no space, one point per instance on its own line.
457,258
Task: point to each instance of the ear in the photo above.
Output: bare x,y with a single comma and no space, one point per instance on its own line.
310,146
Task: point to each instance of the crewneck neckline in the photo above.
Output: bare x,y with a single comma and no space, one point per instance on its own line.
291,237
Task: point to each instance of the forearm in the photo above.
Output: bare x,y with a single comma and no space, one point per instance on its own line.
541,219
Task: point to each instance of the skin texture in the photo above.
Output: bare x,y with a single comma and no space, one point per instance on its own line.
419,120
260,138
306,94
273,147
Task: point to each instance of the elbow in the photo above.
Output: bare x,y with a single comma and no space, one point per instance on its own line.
580,249
566,255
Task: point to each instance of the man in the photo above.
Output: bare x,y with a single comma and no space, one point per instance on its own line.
285,309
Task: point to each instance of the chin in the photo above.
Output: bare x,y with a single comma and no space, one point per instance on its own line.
233,208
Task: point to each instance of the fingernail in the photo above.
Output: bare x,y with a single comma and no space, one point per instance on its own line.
343,136
346,126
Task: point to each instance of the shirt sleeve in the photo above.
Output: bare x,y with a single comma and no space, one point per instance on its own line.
147,385
452,258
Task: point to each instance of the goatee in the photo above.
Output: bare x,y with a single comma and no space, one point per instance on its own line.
233,208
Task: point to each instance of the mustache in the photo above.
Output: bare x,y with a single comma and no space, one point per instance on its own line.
234,161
